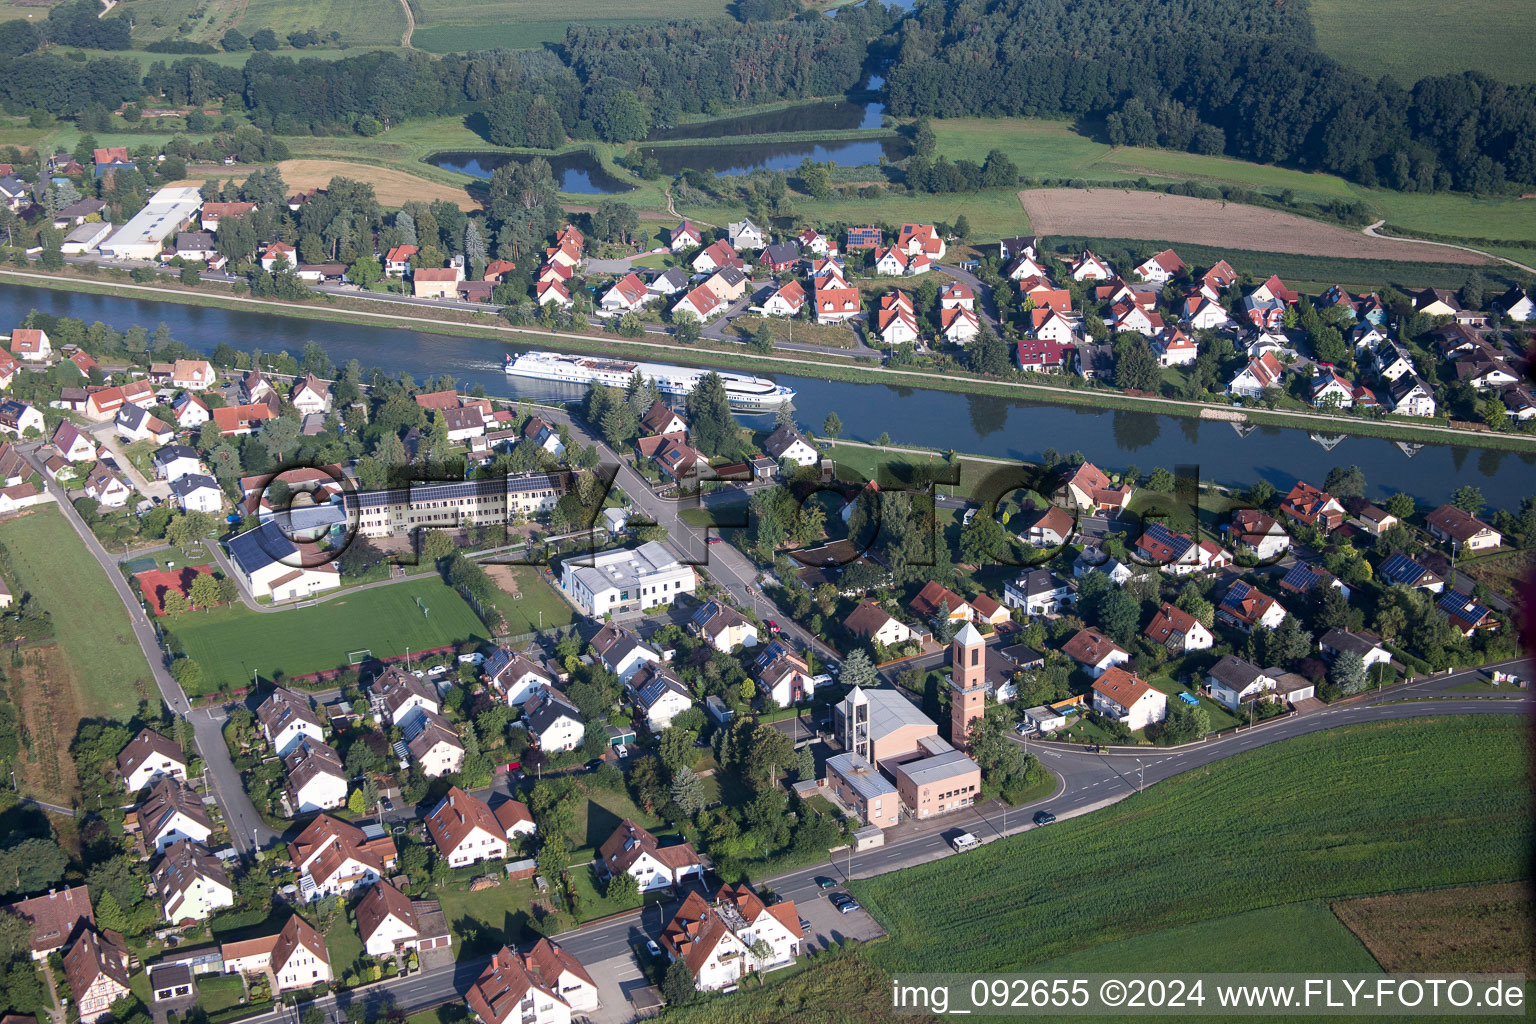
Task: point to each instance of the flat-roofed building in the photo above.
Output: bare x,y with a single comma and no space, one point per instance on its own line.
167,212
626,580
447,506
878,724
942,779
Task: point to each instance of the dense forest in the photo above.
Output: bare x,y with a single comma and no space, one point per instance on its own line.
1214,76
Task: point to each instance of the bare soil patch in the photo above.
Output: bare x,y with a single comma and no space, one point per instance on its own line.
44,686
1116,213
503,576
1485,928
392,187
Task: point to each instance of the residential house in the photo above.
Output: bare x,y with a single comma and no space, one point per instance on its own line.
174,461
311,396
1403,571
1376,521
336,858
895,322
1340,641
96,968
436,282
835,305
1265,306
1307,504
515,819
634,851
958,325
715,941
787,300
865,238
1161,268
783,675
1201,312
779,257
135,423
872,623
658,695
9,367
286,720
685,236
31,345
553,721
465,831
545,986
1177,630
106,487
1038,592
279,254
936,601
54,918
1303,580
1173,347
702,303
745,235
299,957
1246,608
1411,396
728,284
17,418
1465,613
241,420
717,256
621,651
170,812
1461,531
1262,373
1233,682
916,239
628,295
1052,529
390,922
1088,488
1179,554
1095,652
1436,302
192,883
1331,391
73,443
513,677
212,213
788,443
1257,534
1517,305
1089,267
1123,697
197,492
723,626
147,757
1045,355
316,779
894,262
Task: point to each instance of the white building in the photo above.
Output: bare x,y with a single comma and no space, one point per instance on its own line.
625,580
1234,682
269,564
659,696
715,940
787,443
634,851
167,212
553,721
1125,698
169,813
545,986
197,492
147,757
465,831
390,921
287,720
192,883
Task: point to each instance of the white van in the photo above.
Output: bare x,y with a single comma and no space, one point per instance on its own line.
964,841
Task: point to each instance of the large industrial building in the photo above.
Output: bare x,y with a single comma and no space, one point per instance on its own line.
143,238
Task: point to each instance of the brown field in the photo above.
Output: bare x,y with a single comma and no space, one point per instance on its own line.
45,689
392,187
1484,928
1503,574
1115,213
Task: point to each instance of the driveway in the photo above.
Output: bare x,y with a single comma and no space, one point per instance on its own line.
106,436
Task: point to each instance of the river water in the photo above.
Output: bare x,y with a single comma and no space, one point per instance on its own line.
979,424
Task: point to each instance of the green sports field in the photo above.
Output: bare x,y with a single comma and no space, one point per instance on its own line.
1383,807
232,643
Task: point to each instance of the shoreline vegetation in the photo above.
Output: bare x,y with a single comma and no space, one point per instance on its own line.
479,325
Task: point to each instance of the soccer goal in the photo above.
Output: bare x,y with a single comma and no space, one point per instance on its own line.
426,612
358,657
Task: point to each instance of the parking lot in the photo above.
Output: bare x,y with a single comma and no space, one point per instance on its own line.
827,923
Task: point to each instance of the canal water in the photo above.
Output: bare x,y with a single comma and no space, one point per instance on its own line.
736,158
980,424
577,172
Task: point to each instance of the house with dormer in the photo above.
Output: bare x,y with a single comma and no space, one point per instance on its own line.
634,851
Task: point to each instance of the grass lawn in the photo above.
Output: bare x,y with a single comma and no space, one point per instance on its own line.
445,27
108,670
484,921
1326,816
231,643
1302,936
359,22
830,335
1380,37
992,215
1461,215
343,943
219,992
527,600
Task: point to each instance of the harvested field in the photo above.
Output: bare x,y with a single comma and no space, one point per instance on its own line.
1115,213
392,187
1485,928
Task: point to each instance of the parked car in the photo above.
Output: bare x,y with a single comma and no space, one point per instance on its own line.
805,926
653,949
773,627
849,907
714,540
1044,817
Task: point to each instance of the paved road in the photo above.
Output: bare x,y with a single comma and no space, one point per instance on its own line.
246,830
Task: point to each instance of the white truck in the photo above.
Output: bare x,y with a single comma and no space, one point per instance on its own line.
964,841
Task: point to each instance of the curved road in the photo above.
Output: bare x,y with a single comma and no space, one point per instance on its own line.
1370,229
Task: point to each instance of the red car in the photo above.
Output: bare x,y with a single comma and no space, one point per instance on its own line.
773,627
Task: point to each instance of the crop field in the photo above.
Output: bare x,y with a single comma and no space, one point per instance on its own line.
1327,816
104,660
358,22
1104,212
393,187
446,26
234,642
1470,929
1413,39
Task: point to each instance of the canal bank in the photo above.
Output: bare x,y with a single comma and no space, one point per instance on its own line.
907,408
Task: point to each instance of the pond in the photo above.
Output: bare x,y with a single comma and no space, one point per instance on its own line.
578,172
824,115
731,159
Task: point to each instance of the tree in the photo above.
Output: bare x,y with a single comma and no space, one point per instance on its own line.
436,545
687,791
1345,482
711,424
1469,499
205,590
280,436
832,426
31,865
623,890
858,670
1135,365
1119,613
805,764
677,984
188,673
474,248
1348,672
1401,505
175,603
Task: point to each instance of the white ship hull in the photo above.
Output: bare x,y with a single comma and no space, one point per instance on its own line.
742,389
